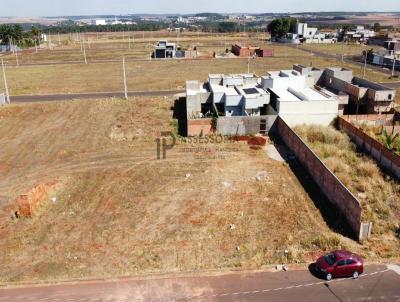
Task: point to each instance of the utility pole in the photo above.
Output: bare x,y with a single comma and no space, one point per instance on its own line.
248,64
50,46
365,63
394,65
343,50
16,58
84,52
125,85
5,82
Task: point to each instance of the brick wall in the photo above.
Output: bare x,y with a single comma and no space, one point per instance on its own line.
331,186
29,202
199,126
384,156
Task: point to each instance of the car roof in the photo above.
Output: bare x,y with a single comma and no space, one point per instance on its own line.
342,254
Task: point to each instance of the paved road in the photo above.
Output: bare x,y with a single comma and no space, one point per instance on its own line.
378,283
94,95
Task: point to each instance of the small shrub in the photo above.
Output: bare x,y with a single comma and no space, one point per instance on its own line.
368,169
325,243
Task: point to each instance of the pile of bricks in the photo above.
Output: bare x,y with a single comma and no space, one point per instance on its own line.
29,202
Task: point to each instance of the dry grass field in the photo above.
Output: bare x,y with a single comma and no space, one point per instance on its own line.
339,48
119,211
73,76
378,193
147,75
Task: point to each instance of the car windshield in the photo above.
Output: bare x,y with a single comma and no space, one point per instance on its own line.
330,259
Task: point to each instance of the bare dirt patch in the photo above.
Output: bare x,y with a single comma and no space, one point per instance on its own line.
120,211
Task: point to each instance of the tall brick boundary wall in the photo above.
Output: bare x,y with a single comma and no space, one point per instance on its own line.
384,156
331,186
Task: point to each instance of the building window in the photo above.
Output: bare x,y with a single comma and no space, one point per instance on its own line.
389,96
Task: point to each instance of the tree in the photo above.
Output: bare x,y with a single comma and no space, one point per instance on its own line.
10,32
36,32
369,53
281,27
377,27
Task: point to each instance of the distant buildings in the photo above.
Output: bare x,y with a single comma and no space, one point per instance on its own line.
115,21
388,57
99,22
356,34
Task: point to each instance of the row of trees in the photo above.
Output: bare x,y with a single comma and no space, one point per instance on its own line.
281,27
14,34
74,28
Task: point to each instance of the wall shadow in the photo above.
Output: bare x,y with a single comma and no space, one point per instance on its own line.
334,218
179,113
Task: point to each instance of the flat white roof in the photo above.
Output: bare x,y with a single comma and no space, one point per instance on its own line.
304,94
313,95
223,89
282,74
285,95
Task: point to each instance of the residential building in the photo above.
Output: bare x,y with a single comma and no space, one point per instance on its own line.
164,50
305,34
296,99
302,95
356,34
229,95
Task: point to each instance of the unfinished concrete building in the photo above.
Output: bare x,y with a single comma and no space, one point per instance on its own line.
303,95
295,98
356,95
227,95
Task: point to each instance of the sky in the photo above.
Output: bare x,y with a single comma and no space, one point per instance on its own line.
97,7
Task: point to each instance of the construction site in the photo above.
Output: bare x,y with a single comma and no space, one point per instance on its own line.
82,185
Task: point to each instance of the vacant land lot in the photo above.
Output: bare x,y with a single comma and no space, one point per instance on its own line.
147,75
378,193
104,53
119,211
339,48
133,45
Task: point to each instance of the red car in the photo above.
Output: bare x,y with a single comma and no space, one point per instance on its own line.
340,264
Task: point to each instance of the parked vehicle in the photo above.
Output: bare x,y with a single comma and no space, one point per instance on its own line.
340,264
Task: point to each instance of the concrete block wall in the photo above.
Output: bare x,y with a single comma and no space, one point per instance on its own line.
236,125
244,125
331,186
386,158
